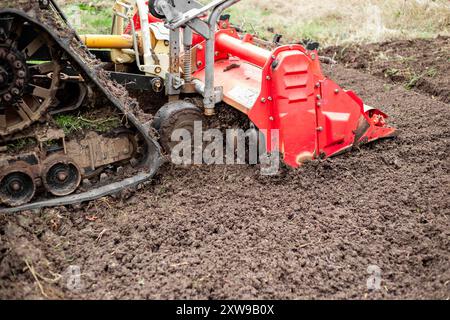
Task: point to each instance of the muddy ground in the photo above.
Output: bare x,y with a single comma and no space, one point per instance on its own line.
228,232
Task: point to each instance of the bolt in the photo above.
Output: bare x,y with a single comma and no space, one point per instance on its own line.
313,56
15,186
269,98
319,97
15,91
7,97
317,84
273,57
224,25
166,43
268,78
319,129
158,69
62,176
263,100
271,118
11,58
319,104
200,47
21,74
18,64
336,91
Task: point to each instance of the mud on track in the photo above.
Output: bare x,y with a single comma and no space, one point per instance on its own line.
227,232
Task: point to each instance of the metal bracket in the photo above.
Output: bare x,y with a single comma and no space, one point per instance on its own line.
181,13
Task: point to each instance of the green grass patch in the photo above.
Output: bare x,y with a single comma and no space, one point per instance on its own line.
20,144
416,77
71,124
90,18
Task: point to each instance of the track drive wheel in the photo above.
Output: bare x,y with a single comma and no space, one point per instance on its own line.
29,73
175,115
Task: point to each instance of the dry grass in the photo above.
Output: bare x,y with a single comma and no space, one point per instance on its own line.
331,22
342,21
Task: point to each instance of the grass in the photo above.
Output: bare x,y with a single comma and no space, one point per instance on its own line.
335,22
70,123
414,78
331,22
90,17
411,78
20,144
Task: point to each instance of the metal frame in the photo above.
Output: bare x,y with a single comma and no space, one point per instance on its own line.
150,59
187,14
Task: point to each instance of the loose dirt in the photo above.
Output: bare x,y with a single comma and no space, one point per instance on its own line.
216,232
422,65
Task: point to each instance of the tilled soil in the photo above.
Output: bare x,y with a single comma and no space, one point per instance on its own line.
221,232
421,64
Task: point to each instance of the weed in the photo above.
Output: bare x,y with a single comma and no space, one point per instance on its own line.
413,81
391,72
415,78
71,124
432,72
20,144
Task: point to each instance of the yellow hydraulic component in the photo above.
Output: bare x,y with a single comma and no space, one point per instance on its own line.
122,46
95,41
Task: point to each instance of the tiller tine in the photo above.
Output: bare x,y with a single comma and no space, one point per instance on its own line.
285,90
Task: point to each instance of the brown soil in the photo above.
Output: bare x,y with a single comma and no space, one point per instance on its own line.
210,232
422,64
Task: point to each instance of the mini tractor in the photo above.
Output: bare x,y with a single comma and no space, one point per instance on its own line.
65,116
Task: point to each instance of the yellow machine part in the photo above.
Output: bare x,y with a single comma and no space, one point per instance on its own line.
95,41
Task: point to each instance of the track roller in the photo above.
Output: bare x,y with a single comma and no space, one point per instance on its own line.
17,186
61,176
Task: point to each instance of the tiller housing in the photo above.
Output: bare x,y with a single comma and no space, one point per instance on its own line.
285,89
